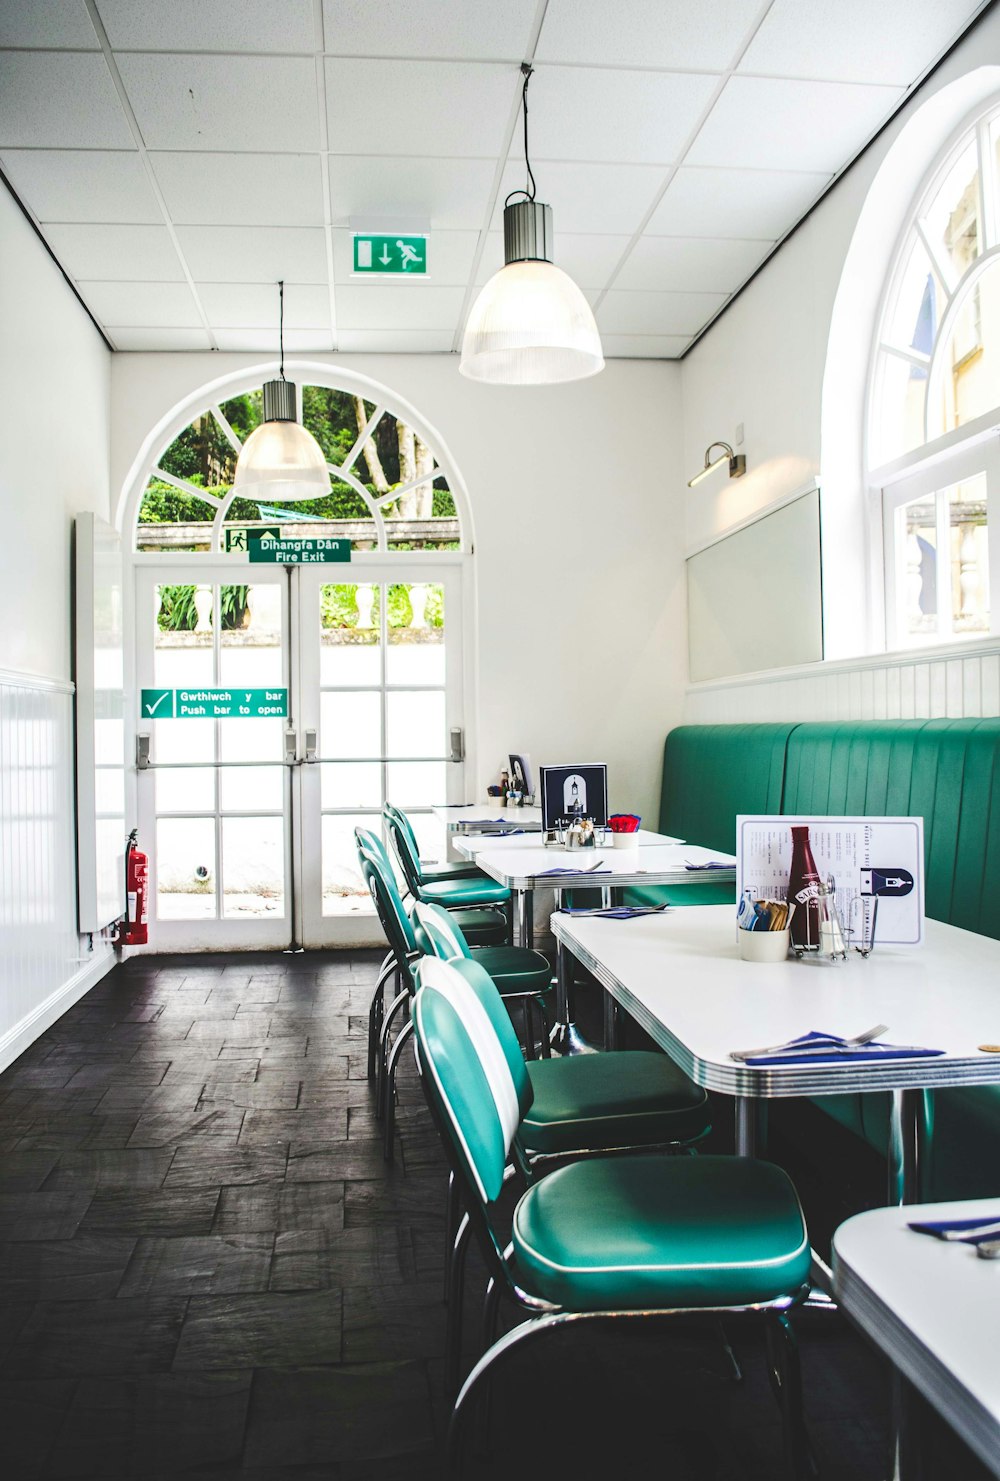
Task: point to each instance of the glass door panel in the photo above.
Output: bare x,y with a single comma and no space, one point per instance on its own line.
384,692
215,797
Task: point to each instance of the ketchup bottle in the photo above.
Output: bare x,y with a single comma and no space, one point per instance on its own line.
803,891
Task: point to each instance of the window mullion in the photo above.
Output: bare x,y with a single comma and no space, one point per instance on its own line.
987,189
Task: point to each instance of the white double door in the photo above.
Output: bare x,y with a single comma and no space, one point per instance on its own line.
249,819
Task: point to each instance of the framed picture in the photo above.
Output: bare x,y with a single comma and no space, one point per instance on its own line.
571,792
520,774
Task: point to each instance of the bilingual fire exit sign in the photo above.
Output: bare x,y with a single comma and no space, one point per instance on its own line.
213,704
404,256
266,547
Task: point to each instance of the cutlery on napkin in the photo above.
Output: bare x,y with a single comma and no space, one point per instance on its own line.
709,864
589,869
615,912
831,1049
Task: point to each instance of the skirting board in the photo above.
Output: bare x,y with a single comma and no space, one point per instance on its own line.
19,1038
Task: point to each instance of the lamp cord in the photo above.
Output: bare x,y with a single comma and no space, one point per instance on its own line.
281,326
529,194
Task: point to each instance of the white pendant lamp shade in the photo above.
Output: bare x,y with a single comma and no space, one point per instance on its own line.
530,325
281,461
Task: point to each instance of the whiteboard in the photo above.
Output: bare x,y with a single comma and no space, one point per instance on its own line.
100,725
755,598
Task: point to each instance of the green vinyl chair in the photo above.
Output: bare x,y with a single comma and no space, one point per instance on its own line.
521,975
626,1236
460,891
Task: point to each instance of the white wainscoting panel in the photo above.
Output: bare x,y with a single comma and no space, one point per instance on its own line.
44,964
948,683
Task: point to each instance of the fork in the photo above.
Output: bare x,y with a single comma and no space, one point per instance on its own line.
792,1047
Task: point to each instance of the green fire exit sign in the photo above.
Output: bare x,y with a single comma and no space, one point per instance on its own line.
405,256
213,704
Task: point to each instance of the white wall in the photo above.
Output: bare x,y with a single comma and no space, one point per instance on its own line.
789,361
54,395
580,644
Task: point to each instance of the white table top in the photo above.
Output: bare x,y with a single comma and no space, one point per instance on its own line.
932,1307
471,844
527,868
680,976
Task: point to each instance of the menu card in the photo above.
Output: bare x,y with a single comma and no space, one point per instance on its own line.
869,859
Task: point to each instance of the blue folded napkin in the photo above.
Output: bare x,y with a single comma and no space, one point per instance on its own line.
616,912
817,1048
712,864
546,873
963,1231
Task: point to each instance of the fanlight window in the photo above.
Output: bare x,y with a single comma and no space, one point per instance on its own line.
387,490
935,400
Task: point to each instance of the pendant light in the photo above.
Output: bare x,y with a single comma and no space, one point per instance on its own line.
530,325
281,461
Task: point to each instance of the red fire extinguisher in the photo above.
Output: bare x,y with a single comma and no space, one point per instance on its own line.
135,931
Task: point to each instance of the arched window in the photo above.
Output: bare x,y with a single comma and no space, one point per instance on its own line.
388,491
934,402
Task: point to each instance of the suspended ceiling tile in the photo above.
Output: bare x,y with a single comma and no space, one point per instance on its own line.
127,253
656,313
452,193
419,108
231,254
855,41
142,305
759,123
237,305
82,185
429,28
691,264
46,23
449,258
56,100
589,260
397,306
159,339
647,33
735,203
243,189
210,25
265,341
594,199
594,114
220,103
644,346
395,341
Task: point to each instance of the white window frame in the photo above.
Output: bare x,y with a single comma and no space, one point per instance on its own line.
957,453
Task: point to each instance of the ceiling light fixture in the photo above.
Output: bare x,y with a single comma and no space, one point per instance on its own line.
737,463
530,325
281,461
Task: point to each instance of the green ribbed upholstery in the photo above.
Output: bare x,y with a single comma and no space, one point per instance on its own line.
710,774
598,1101
627,1233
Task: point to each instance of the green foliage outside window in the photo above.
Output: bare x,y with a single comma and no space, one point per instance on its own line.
339,606
178,613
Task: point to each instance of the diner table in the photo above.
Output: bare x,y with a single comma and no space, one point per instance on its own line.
680,976
605,868
931,1306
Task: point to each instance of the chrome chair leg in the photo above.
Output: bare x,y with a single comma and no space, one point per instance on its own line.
376,1013
456,1285
397,1003
451,1221
735,1370
786,1379
389,1081
528,1022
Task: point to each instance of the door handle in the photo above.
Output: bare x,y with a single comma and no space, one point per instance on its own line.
310,736
457,744
142,752
291,746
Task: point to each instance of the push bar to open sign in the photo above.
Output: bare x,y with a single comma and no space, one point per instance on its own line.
213,704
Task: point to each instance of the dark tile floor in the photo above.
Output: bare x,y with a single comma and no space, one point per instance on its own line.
208,1270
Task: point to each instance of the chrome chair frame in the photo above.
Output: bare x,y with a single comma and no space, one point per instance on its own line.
544,1316
397,824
